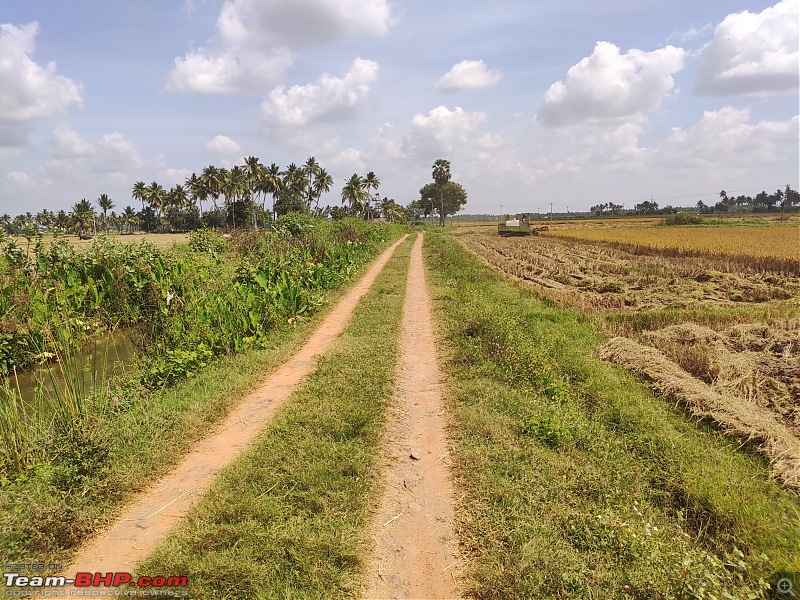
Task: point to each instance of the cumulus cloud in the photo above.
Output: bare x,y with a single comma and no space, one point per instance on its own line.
29,90
71,154
224,150
726,137
440,131
223,71
753,53
255,41
384,145
330,99
468,74
610,88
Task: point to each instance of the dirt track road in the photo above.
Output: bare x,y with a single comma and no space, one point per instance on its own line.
415,548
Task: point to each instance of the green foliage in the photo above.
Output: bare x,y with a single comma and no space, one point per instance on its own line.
189,307
547,427
175,365
683,218
208,241
294,224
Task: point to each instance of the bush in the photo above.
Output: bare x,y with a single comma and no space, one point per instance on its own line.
208,241
683,218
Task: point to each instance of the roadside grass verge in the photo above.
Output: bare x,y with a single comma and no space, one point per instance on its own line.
577,481
288,517
54,506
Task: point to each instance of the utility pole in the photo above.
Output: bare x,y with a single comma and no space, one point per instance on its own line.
551,211
538,213
502,216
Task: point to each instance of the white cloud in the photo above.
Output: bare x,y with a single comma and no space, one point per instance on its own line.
224,150
330,99
753,53
491,141
71,155
609,88
20,179
255,41
468,74
726,139
28,90
384,146
440,131
223,72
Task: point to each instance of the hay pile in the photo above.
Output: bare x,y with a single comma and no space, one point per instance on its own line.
753,361
738,416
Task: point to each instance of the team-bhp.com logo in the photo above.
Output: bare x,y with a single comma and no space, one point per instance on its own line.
159,586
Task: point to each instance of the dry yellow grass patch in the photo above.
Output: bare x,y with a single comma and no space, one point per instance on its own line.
767,241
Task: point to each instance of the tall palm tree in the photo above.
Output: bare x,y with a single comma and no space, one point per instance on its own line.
139,193
441,175
82,216
196,190
272,183
255,173
129,218
236,187
156,197
212,179
105,203
295,179
355,194
371,181
323,183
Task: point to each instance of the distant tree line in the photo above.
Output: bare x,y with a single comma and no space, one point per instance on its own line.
219,198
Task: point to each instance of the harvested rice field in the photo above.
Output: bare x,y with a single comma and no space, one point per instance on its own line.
590,275
709,315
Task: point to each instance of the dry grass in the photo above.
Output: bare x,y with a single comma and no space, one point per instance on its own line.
766,241
739,417
161,241
593,277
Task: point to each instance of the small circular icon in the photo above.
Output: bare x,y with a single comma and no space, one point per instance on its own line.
784,586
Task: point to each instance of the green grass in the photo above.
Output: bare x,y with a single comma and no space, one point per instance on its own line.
578,482
287,519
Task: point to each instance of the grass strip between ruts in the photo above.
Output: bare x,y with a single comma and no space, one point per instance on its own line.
288,518
576,481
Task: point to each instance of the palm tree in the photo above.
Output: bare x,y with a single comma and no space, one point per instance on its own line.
156,197
255,173
139,192
236,187
129,218
196,190
355,194
296,180
82,216
371,181
323,183
211,179
392,211
105,203
272,183
441,175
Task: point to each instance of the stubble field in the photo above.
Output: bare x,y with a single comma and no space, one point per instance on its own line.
708,314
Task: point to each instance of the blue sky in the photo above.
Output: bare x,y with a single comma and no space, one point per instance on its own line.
571,102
